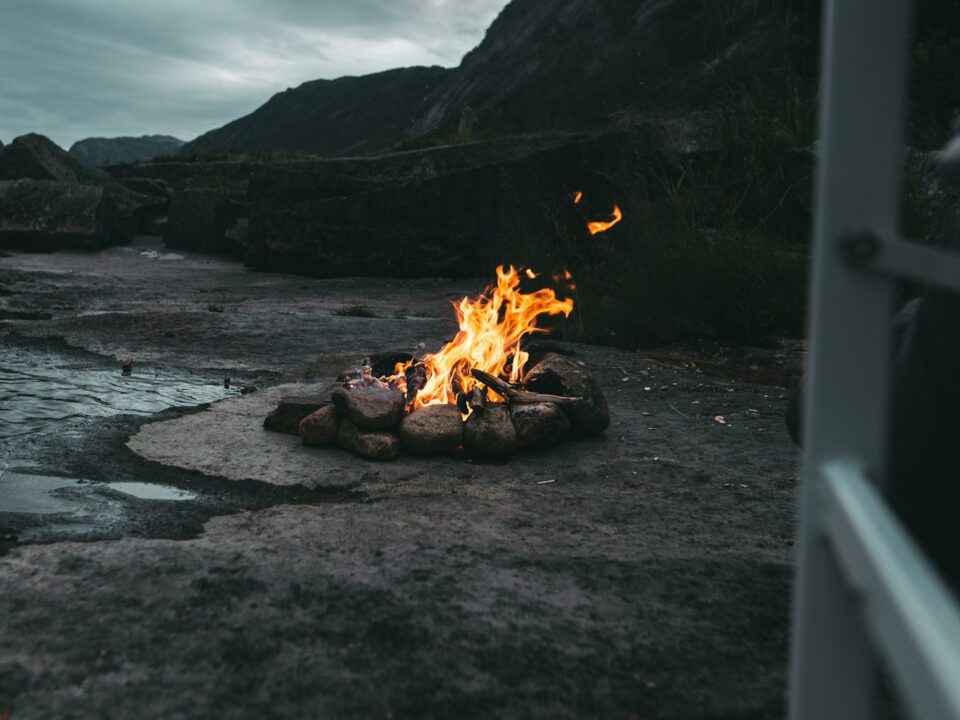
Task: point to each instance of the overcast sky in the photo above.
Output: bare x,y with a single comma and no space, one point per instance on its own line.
71,69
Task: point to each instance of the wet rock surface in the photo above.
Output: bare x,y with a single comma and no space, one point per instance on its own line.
432,430
643,572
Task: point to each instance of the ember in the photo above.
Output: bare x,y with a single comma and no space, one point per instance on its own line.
599,227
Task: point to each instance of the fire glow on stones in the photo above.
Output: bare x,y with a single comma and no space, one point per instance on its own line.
491,328
600,226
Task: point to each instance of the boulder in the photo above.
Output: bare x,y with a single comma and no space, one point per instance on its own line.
560,375
432,430
45,215
539,424
488,433
36,157
291,410
370,408
199,218
369,445
319,428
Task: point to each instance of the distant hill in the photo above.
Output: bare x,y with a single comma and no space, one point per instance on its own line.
346,116
121,150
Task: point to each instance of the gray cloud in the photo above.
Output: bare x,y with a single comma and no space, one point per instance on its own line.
78,68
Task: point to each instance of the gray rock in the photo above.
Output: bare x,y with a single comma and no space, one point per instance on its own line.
36,157
48,215
369,445
560,375
319,428
291,410
370,408
432,430
199,218
488,433
540,424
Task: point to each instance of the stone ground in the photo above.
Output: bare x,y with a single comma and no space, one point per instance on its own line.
644,574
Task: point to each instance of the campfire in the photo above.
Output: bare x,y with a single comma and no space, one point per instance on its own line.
489,392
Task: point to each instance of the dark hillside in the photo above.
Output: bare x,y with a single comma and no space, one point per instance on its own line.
346,116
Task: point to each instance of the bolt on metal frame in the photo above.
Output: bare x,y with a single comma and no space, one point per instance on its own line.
865,593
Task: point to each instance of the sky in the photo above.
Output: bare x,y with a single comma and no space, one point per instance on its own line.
71,69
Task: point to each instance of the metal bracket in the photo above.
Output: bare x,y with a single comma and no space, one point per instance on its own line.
895,257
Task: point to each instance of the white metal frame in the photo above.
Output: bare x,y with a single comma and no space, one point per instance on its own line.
865,594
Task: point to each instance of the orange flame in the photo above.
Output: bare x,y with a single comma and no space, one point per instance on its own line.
576,197
491,328
599,227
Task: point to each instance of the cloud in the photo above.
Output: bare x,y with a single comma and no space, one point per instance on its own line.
78,68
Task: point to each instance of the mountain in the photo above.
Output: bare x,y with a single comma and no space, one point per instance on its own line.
121,150
346,116
558,67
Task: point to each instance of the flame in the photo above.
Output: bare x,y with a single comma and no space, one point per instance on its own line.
576,197
491,328
599,227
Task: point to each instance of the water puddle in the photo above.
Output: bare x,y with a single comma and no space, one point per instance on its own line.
146,491
40,390
25,492
45,394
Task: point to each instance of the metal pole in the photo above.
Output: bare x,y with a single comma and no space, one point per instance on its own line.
863,77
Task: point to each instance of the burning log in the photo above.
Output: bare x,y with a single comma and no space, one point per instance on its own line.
416,376
518,395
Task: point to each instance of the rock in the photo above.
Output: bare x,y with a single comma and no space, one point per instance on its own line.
432,430
36,157
488,433
461,214
291,410
319,428
560,375
148,186
370,445
540,424
48,215
199,218
370,408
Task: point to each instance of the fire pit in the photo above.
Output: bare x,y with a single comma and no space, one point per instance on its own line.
488,392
